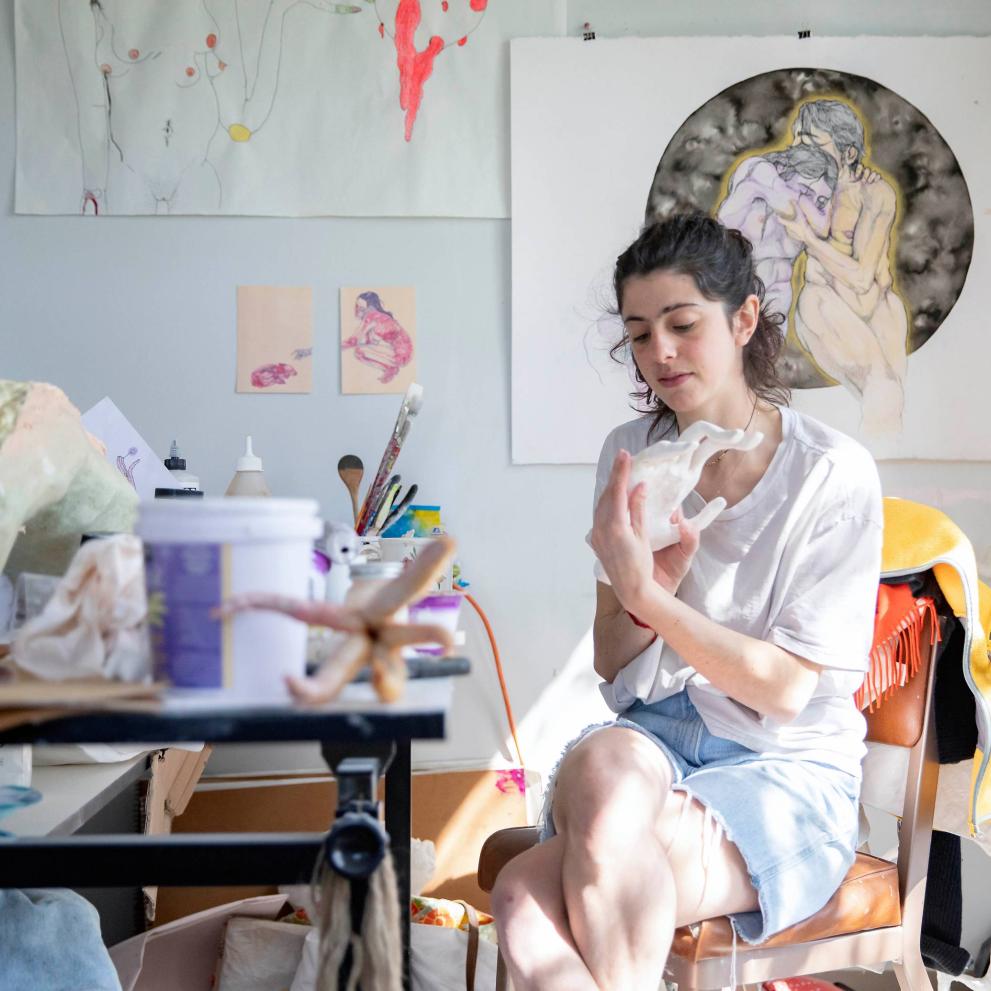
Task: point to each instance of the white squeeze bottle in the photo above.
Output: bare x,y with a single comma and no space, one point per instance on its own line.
249,479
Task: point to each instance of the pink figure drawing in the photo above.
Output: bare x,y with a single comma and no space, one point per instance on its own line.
381,341
266,375
127,470
416,65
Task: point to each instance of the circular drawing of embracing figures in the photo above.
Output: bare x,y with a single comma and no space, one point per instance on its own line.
858,212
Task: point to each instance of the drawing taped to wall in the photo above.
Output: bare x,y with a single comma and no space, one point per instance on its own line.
274,338
378,339
263,107
859,214
866,253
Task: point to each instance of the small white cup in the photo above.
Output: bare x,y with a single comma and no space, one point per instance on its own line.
406,549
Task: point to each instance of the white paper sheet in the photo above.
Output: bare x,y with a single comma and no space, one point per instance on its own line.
127,450
250,107
590,122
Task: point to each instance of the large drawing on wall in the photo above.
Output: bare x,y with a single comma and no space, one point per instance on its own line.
278,107
855,166
858,212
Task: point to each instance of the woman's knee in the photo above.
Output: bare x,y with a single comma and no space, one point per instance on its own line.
611,787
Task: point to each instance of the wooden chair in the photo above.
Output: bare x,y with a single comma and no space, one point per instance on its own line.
875,916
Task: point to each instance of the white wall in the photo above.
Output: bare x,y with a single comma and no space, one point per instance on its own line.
143,309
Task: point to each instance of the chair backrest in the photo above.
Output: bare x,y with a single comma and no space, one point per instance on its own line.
907,719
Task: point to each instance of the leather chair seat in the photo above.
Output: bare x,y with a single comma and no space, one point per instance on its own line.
867,899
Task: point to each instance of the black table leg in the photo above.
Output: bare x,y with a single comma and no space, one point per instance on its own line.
395,758
398,806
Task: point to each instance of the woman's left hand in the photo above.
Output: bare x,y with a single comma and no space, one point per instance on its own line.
619,536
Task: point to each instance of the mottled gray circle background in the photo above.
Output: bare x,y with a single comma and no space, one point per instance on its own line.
935,233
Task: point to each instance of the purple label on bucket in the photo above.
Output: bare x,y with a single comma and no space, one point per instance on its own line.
185,581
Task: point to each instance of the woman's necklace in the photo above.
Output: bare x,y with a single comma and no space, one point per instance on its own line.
722,454
736,465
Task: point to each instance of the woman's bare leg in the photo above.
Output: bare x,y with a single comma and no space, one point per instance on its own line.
635,860
610,794
528,904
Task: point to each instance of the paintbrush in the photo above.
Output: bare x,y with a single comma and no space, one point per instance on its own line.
411,405
351,471
391,491
397,509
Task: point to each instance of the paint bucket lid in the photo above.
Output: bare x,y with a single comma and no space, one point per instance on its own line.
228,519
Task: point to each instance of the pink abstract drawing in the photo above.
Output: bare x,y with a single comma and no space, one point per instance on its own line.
415,66
381,341
127,470
508,780
266,375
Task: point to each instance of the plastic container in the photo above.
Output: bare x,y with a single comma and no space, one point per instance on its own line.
249,476
437,609
199,552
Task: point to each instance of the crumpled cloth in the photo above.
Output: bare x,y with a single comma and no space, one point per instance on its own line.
94,623
50,938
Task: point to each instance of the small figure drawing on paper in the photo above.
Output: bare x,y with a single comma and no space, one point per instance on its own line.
377,339
156,85
400,20
274,339
127,470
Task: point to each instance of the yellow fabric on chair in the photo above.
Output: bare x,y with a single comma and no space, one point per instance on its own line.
916,538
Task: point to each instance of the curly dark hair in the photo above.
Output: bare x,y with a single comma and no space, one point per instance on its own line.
720,260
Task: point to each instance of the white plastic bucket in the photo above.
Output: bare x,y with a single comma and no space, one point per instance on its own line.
199,552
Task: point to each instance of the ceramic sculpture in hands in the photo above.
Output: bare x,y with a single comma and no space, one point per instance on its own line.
670,469
55,483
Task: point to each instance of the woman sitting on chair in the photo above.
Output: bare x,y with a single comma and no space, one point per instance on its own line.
728,783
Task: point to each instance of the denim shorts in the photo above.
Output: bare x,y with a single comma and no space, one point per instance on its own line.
793,821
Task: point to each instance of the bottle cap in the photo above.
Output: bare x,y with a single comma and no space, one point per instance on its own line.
248,461
175,461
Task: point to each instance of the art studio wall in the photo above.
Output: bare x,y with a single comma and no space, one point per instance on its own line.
144,309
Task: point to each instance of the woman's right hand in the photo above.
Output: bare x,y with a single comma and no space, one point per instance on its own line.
671,563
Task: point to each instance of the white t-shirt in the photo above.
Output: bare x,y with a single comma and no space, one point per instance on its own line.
795,563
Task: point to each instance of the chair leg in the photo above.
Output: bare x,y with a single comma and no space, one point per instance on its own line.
911,972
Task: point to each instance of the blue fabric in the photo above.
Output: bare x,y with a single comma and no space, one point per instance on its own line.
50,941
793,821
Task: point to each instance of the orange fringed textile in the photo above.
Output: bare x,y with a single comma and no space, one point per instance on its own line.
897,651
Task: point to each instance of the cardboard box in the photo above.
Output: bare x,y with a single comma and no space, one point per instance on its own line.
458,810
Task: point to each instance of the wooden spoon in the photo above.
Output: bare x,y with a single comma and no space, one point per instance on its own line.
351,470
